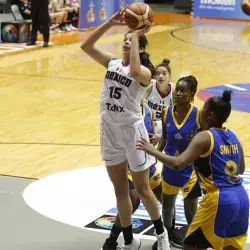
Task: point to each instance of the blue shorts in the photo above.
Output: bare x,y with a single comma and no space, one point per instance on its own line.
185,180
221,220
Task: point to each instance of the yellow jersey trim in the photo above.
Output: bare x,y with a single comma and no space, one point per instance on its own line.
179,126
165,113
151,114
198,118
143,108
211,146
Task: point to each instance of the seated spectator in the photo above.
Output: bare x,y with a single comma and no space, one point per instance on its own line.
53,26
25,8
76,7
73,4
76,3
60,6
57,19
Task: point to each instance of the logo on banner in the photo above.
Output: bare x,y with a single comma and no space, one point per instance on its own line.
141,219
219,2
122,4
93,209
91,14
226,9
103,13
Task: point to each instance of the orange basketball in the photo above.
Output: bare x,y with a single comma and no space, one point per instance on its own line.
138,14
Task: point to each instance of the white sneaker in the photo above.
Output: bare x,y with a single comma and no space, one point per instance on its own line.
57,30
67,28
72,27
135,245
163,241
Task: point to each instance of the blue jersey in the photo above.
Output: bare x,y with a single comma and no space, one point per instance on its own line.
148,117
179,136
219,167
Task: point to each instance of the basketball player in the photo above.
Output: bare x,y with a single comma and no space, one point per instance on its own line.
160,93
180,124
59,18
162,74
122,124
221,221
154,181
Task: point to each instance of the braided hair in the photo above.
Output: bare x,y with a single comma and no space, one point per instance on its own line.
192,83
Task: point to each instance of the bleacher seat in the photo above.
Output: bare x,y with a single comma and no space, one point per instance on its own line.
17,14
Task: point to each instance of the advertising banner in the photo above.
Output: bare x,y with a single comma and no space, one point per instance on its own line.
95,12
225,9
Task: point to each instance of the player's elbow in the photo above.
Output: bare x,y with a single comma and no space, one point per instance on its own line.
134,73
85,46
178,164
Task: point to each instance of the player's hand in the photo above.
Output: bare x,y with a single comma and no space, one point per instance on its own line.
145,146
154,139
118,18
141,31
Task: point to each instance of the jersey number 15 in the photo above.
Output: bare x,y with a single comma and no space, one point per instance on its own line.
115,92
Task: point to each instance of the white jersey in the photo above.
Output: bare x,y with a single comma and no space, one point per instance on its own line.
121,96
157,103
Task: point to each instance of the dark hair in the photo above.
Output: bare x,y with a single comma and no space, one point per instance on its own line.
145,61
144,56
221,106
143,42
192,83
165,63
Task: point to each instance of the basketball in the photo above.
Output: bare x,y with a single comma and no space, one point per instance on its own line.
246,7
138,14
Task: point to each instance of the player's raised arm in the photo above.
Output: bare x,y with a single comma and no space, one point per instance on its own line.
138,72
89,44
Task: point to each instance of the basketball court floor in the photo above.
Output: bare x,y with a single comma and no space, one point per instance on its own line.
54,191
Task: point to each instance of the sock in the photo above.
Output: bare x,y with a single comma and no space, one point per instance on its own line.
127,234
173,224
115,232
158,226
170,232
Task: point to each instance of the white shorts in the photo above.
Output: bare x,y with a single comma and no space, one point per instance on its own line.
118,146
158,128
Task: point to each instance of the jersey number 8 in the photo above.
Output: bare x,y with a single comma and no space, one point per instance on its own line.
231,170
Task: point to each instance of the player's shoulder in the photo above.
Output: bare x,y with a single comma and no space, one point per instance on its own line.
114,61
172,85
153,82
165,112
